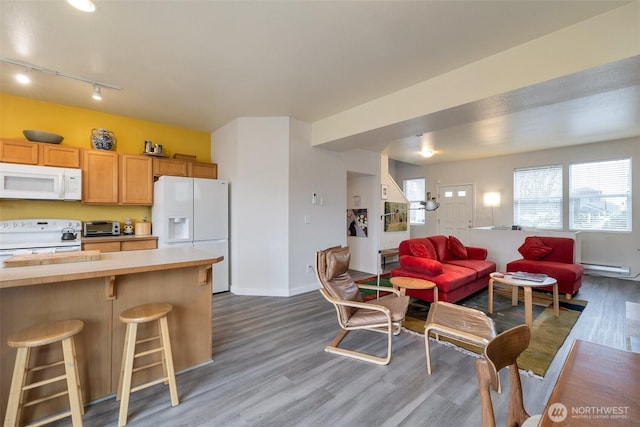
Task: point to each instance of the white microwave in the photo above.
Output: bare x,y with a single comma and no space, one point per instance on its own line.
39,182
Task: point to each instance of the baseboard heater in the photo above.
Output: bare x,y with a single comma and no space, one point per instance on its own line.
617,269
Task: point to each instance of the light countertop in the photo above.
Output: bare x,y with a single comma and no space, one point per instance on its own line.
110,264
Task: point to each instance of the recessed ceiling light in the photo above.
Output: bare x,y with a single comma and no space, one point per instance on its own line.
426,153
83,5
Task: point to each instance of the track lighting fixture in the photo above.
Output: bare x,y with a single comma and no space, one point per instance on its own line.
25,77
97,95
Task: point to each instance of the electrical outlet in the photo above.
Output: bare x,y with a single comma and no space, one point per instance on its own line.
309,268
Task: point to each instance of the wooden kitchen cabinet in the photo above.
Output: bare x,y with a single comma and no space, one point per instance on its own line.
136,180
36,153
181,167
59,156
119,243
110,178
15,151
203,170
173,167
100,177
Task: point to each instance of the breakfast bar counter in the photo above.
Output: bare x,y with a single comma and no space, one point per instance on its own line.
96,292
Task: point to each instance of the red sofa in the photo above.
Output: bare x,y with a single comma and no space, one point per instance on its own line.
552,256
457,270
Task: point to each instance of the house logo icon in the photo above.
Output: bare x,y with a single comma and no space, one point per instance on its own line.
557,412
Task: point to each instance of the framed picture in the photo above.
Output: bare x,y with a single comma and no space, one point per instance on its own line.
395,216
357,223
385,192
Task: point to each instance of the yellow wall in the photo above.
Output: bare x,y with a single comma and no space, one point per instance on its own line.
75,124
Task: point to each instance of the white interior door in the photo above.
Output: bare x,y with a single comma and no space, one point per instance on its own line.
455,215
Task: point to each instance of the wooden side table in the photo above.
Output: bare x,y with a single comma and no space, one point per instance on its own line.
404,283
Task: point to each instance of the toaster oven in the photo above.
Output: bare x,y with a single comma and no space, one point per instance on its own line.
101,228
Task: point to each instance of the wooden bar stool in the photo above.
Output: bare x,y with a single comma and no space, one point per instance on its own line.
132,317
36,336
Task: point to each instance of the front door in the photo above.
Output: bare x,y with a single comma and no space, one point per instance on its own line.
455,215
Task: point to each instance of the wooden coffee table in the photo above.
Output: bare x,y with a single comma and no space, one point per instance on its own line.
526,285
404,283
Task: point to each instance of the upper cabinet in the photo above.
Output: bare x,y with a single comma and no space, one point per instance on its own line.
136,180
110,178
62,156
99,177
181,167
173,167
203,170
36,153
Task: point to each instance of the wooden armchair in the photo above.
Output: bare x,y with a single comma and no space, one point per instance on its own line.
503,351
382,315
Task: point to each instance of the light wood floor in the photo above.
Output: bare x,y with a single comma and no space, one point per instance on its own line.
270,369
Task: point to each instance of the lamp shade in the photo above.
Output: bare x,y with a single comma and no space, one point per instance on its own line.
491,199
431,205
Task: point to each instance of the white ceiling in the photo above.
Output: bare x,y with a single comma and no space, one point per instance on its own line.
200,64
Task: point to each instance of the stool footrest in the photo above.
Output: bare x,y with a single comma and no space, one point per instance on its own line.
157,337
148,352
149,384
50,419
44,382
150,365
42,367
44,399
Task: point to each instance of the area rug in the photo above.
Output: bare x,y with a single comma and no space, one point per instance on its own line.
547,335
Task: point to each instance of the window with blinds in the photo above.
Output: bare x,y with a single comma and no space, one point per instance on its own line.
414,191
537,197
600,195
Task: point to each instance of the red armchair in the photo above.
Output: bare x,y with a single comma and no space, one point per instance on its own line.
553,256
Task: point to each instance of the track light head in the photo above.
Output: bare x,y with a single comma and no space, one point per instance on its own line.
24,77
97,94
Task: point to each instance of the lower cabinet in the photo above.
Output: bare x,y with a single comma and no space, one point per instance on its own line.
119,243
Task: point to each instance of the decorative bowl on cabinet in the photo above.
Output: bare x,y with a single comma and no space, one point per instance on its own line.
42,136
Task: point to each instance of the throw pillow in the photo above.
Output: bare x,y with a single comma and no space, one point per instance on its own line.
456,247
534,248
421,250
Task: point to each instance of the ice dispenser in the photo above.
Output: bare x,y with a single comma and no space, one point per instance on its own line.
178,228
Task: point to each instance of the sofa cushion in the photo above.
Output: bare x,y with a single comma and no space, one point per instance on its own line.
533,248
481,267
456,247
426,266
453,276
423,250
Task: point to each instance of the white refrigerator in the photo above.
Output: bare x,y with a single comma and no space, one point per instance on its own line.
194,212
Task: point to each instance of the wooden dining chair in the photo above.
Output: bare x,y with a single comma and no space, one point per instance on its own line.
381,315
503,351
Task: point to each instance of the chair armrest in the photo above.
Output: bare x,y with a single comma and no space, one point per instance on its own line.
476,253
429,267
357,304
381,288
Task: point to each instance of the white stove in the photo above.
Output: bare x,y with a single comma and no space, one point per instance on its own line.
39,236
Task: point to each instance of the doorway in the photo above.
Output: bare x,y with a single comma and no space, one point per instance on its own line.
455,215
